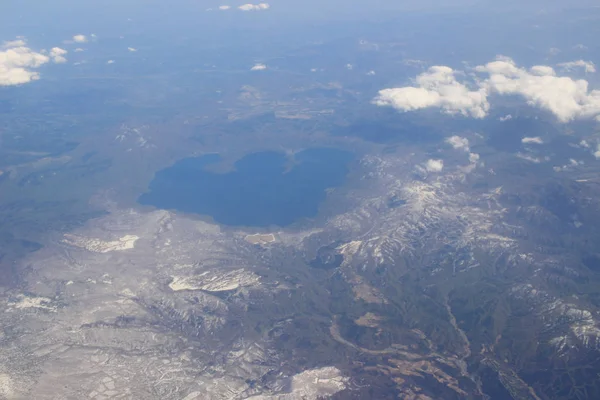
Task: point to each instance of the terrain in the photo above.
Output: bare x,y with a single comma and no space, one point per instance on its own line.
460,290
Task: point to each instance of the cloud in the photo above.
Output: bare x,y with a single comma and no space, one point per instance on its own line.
597,152
110,62
527,157
18,62
542,70
507,117
414,63
14,43
78,50
258,67
534,140
254,7
58,55
461,143
437,87
224,8
434,165
554,51
588,66
371,73
565,97
132,49
458,143
572,164
540,86
80,38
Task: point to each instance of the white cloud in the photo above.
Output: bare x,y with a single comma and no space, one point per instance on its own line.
563,96
258,67
434,165
587,66
254,7
17,63
534,140
597,152
527,157
78,50
58,55
566,98
473,157
80,38
414,63
110,62
349,67
458,143
371,73
132,49
572,164
507,117
224,8
500,57
542,70
553,51
437,87
14,43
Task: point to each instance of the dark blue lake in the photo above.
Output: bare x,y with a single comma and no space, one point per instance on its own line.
266,188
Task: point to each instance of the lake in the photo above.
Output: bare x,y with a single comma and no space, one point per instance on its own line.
264,189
